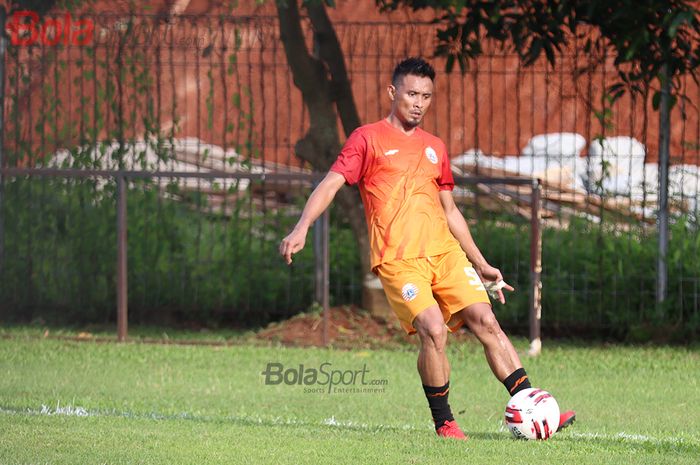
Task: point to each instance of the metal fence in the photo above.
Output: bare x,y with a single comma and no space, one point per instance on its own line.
212,94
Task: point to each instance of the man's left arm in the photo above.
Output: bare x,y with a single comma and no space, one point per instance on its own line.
460,230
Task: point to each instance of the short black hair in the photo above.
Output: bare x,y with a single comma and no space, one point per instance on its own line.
414,65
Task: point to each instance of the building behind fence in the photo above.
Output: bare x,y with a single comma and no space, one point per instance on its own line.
214,94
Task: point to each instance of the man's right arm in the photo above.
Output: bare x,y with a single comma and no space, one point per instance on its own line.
317,203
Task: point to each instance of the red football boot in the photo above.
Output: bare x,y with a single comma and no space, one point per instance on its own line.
450,429
566,419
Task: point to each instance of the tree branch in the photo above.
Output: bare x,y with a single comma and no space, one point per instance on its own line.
306,70
332,54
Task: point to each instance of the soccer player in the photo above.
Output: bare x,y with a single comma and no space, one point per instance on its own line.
430,268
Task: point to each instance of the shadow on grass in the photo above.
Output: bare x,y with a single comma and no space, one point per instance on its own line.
634,442
621,441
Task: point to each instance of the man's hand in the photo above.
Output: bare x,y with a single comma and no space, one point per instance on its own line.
487,273
293,243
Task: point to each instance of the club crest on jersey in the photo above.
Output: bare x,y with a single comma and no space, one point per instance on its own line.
431,155
409,292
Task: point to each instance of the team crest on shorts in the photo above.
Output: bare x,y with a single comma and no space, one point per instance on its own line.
431,155
409,292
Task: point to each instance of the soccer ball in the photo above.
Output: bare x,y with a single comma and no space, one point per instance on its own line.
532,414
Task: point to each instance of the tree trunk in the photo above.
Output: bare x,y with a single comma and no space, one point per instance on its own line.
323,81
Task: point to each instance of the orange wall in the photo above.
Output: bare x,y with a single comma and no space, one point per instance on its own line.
496,106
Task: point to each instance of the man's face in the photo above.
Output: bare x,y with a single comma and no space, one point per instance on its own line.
411,99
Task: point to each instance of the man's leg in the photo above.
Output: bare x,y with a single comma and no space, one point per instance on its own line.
434,370
500,353
433,367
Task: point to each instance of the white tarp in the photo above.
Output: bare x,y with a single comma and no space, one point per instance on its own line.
615,164
189,155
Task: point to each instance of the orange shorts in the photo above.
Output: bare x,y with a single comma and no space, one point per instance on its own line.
414,284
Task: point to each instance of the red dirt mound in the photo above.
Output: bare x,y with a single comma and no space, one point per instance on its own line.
348,327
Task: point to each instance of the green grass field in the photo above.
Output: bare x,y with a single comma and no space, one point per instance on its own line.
65,402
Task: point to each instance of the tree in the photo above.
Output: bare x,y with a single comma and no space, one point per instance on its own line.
322,78
645,37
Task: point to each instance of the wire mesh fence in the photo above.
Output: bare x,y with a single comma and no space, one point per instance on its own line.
185,264
210,94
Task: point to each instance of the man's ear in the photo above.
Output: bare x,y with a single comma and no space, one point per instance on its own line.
392,92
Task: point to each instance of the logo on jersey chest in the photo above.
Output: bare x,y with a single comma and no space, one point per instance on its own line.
431,155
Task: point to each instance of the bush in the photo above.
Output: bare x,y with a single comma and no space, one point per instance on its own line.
184,265
187,264
598,279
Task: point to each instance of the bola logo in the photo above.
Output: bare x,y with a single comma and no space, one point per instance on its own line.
409,292
431,155
25,28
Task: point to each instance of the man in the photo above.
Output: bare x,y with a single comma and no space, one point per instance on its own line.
419,240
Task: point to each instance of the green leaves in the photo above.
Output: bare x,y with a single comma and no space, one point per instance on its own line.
679,19
656,100
330,3
641,35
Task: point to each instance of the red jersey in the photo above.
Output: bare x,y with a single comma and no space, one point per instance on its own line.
399,177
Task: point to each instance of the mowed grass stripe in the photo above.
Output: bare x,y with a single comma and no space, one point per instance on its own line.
329,423
71,411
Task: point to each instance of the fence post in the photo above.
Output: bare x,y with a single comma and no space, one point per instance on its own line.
3,47
122,285
535,269
664,156
322,273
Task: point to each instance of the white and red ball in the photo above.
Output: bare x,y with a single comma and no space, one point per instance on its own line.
532,414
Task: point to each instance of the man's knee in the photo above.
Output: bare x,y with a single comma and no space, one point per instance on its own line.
481,320
488,323
432,330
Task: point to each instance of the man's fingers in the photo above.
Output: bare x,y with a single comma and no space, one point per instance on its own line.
495,289
284,251
287,249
